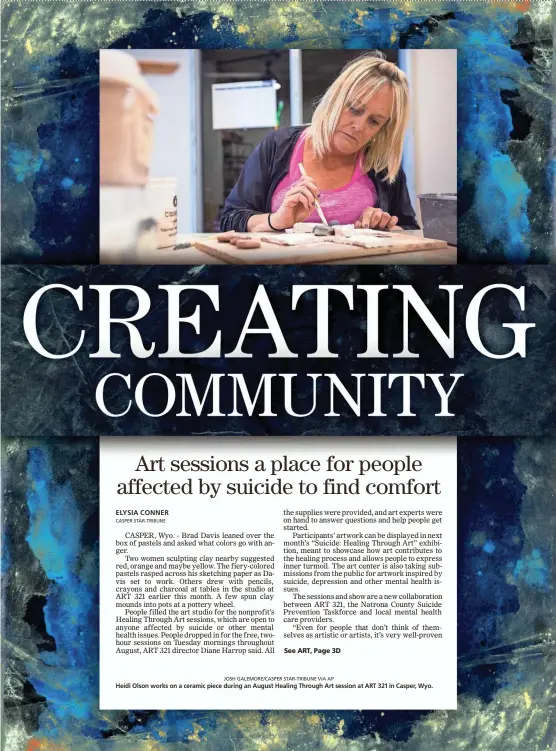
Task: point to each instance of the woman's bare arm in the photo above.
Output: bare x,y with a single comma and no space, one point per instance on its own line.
259,223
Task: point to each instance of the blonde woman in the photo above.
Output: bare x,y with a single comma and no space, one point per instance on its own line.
351,152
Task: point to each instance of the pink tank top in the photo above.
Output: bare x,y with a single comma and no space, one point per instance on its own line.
345,204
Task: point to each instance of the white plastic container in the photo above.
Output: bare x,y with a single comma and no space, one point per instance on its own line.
128,228
162,197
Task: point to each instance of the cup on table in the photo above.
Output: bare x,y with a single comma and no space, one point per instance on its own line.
162,197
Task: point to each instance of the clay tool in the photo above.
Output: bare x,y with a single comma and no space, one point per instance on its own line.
317,204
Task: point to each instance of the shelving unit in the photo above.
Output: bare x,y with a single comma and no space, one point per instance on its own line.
235,153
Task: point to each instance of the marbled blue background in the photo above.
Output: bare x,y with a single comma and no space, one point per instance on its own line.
505,615
494,396
50,105
507,486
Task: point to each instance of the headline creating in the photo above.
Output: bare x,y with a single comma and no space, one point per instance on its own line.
273,390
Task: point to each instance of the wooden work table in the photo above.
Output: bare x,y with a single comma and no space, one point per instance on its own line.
195,255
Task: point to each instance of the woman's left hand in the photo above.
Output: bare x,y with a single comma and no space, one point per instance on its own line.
373,218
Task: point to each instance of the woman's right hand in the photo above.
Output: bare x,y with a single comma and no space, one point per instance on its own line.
298,204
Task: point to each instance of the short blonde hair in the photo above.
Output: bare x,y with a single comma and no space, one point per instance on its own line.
359,80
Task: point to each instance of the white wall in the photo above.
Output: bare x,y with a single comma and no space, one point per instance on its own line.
177,132
433,87
213,168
